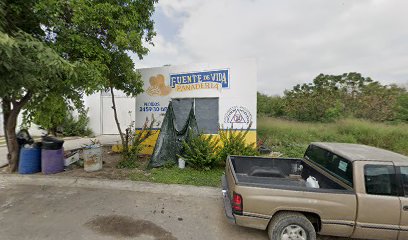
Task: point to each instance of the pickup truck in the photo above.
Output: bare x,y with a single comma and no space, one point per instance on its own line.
336,189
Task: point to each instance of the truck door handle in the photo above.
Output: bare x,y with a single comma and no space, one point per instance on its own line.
405,208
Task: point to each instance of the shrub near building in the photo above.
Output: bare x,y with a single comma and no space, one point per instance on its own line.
209,151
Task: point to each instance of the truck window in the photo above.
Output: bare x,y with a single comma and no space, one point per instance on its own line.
404,178
380,180
332,163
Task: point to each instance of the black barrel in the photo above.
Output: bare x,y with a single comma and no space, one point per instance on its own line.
51,143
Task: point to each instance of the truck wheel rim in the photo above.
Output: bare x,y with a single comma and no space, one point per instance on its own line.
293,232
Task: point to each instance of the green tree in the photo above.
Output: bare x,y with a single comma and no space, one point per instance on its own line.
28,69
401,108
56,115
330,97
379,103
49,116
271,106
102,33
70,48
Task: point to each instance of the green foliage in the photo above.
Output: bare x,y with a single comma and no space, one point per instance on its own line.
128,162
55,115
292,137
76,126
67,48
332,97
200,151
175,175
50,115
233,143
29,66
101,32
134,141
378,102
401,108
270,105
30,69
18,15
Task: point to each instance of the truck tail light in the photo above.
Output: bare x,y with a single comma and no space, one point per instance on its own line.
237,203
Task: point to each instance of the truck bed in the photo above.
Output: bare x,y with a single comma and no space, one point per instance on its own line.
278,173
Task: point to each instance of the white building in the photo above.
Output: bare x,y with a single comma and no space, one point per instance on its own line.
223,95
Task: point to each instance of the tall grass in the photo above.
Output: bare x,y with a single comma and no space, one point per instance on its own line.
291,137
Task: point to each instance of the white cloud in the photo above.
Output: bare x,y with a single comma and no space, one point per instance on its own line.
293,40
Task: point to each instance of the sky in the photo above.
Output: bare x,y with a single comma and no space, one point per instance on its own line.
292,40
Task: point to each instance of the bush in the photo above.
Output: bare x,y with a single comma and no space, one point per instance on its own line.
233,143
200,151
271,106
76,126
133,141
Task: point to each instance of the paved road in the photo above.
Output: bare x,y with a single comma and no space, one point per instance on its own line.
44,207
64,212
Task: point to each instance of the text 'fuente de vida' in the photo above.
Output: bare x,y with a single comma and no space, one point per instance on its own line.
216,79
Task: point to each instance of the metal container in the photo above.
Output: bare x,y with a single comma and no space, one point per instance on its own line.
92,158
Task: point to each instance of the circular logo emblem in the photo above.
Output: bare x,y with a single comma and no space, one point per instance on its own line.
238,115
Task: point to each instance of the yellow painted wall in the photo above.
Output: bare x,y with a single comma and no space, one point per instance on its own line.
151,141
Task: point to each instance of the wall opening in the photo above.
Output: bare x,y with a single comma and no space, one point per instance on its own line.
206,112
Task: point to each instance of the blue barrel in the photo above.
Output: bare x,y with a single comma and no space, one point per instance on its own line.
52,161
30,160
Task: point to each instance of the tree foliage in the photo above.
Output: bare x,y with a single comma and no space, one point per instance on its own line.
50,115
102,33
28,71
68,49
57,116
401,107
270,105
330,97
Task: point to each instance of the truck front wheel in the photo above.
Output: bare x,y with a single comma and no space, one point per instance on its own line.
291,226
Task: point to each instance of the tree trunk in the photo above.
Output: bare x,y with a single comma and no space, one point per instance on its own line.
124,144
10,116
6,106
12,144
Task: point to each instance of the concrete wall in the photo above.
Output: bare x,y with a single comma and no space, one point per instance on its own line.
93,103
239,98
237,101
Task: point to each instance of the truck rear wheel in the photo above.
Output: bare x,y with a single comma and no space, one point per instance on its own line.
291,226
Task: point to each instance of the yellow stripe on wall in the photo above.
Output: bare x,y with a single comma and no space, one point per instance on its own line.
151,141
